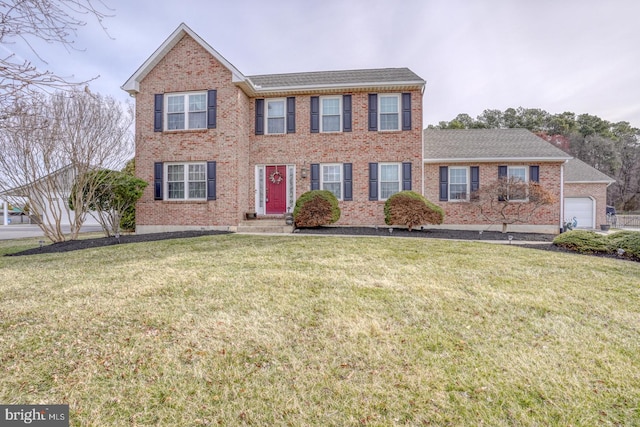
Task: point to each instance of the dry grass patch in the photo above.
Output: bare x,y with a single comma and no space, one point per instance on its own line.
312,330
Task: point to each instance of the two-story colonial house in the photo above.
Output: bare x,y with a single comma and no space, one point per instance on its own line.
217,144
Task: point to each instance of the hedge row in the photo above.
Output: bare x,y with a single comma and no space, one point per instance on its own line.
623,243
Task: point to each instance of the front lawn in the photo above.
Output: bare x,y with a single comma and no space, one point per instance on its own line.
327,331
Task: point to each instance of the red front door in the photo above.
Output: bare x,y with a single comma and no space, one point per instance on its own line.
276,190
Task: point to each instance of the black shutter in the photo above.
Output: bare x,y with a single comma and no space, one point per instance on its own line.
291,114
315,114
348,181
211,180
406,176
444,183
212,98
406,111
475,181
158,104
346,113
373,112
373,181
502,173
259,116
315,176
534,173
157,181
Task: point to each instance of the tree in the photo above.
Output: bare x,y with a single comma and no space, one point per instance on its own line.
108,195
50,142
51,21
509,200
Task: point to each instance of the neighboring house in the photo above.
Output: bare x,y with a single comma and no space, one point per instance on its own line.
217,145
457,162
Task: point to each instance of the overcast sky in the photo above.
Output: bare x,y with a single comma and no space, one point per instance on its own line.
581,56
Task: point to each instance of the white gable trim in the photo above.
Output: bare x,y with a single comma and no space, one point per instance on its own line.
133,84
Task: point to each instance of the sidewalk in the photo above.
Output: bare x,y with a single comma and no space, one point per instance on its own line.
20,231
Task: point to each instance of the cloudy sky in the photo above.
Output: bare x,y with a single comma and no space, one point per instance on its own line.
581,56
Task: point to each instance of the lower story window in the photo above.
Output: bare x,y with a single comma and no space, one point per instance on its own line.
389,179
187,181
332,179
458,183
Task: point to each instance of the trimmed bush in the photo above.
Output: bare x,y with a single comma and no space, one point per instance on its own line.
315,208
410,209
628,241
584,242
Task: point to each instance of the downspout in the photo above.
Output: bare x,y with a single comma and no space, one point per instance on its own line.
562,195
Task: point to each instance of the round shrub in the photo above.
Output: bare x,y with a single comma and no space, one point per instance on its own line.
583,241
315,208
410,209
628,241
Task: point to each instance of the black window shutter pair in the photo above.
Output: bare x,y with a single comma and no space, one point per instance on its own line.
158,105
158,169
347,180
290,114
315,114
405,116
444,182
373,179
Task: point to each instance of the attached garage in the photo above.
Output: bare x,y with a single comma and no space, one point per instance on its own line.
580,208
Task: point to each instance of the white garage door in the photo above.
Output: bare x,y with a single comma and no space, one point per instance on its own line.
580,208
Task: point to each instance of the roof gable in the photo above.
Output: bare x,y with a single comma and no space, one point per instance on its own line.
132,85
487,145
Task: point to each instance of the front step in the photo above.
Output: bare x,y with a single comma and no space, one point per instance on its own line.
266,226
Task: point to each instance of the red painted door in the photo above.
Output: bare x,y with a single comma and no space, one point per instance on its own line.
276,189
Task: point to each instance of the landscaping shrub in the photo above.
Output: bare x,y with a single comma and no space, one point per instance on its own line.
315,208
584,242
628,241
410,209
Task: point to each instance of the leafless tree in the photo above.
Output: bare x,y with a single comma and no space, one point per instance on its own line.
51,143
510,200
26,21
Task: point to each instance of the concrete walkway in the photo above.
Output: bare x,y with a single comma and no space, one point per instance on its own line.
20,231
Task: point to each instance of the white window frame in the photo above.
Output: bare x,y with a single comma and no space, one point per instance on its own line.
283,117
322,114
397,113
186,181
340,181
450,183
380,181
526,180
185,96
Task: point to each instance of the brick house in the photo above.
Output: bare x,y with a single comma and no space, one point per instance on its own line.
216,144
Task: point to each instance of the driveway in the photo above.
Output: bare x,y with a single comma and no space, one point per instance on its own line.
19,231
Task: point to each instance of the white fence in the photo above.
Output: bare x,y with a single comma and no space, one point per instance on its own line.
629,221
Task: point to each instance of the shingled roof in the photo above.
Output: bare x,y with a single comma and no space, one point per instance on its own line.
486,145
337,78
577,171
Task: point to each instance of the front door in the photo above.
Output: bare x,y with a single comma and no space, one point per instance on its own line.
276,195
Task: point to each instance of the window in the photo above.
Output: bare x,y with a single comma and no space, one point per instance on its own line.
458,183
186,111
275,116
516,185
389,179
186,181
332,179
389,112
331,109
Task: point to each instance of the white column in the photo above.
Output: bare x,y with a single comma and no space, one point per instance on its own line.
5,210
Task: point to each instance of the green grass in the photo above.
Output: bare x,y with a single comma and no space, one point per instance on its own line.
306,330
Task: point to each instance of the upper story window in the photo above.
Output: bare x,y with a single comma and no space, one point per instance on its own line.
186,181
275,116
332,179
186,111
331,112
458,183
389,112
